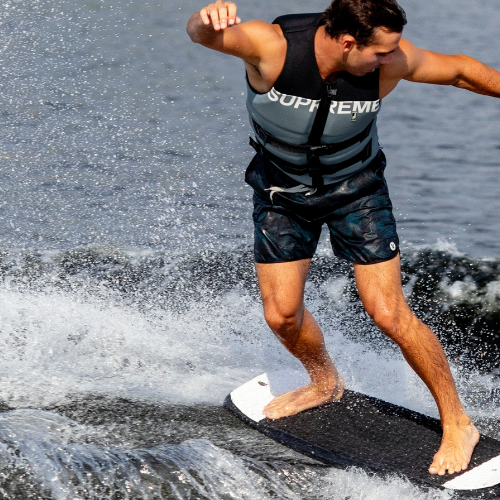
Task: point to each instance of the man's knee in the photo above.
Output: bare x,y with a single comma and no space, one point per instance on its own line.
392,318
386,320
283,320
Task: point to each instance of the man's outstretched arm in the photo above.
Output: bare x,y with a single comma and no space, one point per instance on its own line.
424,66
218,27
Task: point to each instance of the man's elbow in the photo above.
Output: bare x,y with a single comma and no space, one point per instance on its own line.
464,67
192,28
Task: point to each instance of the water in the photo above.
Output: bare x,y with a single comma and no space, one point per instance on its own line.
128,300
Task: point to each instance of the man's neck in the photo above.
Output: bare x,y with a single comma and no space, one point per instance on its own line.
329,55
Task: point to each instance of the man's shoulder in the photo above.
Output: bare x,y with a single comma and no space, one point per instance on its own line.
401,65
261,31
401,61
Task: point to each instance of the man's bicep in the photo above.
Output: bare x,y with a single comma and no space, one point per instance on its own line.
248,41
424,66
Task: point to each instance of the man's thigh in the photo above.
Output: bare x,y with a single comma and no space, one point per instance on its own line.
379,285
282,285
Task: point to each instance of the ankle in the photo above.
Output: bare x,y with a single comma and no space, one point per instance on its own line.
461,421
325,384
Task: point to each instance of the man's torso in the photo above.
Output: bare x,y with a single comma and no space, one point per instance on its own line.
288,110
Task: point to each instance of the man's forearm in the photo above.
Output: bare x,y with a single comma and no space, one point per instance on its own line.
477,77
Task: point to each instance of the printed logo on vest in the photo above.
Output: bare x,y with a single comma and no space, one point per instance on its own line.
352,108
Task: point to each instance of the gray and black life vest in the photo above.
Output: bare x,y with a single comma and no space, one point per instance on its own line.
318,132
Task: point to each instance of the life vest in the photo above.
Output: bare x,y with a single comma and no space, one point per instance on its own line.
318,132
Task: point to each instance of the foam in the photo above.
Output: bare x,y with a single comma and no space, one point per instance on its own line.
55,344
55,454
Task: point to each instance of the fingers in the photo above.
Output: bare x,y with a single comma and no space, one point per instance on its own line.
231,14
204,16
220,14
223,17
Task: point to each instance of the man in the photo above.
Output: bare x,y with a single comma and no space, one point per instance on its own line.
314,87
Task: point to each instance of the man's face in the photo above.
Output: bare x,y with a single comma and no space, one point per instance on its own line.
363,60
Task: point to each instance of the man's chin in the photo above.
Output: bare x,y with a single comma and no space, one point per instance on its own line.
362,72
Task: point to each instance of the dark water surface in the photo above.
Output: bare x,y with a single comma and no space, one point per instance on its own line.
128,300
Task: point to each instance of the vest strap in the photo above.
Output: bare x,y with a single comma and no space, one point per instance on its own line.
308,169
318,150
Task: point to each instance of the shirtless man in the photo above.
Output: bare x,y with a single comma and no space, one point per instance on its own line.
349,57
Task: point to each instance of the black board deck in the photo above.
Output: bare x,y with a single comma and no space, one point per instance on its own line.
372,434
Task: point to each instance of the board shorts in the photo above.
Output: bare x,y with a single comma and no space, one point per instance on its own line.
357,211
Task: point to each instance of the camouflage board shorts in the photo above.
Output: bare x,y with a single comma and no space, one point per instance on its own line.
357,211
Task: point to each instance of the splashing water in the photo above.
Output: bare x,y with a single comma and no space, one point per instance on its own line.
128,301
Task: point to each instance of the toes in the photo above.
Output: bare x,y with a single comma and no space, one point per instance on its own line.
458,467
440,468
271,413
435,467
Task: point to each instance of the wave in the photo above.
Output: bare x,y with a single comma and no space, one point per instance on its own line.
51,456
189,328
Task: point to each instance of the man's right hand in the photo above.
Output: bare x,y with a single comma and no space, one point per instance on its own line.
220,15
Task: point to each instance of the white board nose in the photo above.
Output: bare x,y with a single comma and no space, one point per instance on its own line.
252,397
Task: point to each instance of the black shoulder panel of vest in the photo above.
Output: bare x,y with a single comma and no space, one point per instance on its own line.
300,75
298,22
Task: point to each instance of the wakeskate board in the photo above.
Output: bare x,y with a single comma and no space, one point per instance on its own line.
365,432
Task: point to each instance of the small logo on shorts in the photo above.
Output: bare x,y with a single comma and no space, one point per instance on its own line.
392,246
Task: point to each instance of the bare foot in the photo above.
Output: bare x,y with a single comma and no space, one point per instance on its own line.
456,448
303,398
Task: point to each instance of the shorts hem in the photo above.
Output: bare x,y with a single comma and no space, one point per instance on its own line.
281,261
378,261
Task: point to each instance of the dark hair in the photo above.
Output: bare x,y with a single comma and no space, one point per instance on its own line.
359,18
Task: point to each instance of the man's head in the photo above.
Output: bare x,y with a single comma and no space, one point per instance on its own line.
367,31
361,18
